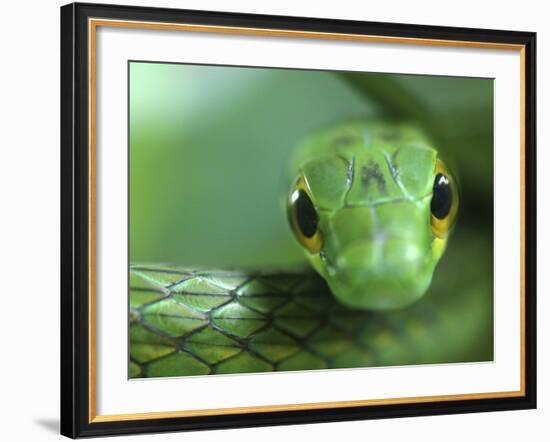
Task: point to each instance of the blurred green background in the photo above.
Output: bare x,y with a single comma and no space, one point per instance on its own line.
209,150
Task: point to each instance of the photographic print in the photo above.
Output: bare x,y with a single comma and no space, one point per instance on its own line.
274,220
286,219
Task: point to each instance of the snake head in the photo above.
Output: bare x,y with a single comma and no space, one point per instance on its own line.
373,215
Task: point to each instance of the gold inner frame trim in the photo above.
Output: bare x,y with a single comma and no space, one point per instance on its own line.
93,24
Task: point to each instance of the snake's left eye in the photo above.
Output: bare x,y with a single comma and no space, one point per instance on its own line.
444,203
303,217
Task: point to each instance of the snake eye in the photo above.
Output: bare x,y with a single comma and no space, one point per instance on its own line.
444,203
303,217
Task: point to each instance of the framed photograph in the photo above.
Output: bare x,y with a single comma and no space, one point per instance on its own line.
271,220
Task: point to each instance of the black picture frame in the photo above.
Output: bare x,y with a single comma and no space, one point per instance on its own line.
75,220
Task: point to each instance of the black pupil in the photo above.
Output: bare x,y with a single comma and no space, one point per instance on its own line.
442,198
306,215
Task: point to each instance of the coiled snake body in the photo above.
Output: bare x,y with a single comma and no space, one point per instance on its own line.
372,204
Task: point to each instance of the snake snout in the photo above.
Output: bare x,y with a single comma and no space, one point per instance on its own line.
385,259
381,274
379,257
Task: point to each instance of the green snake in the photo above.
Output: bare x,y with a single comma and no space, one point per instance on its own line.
373,206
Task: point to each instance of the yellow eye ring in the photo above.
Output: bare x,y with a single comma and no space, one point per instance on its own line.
444,204
303,217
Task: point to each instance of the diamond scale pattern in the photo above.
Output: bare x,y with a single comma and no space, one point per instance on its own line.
185,322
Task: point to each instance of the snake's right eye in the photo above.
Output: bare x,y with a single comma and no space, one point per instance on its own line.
303,217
